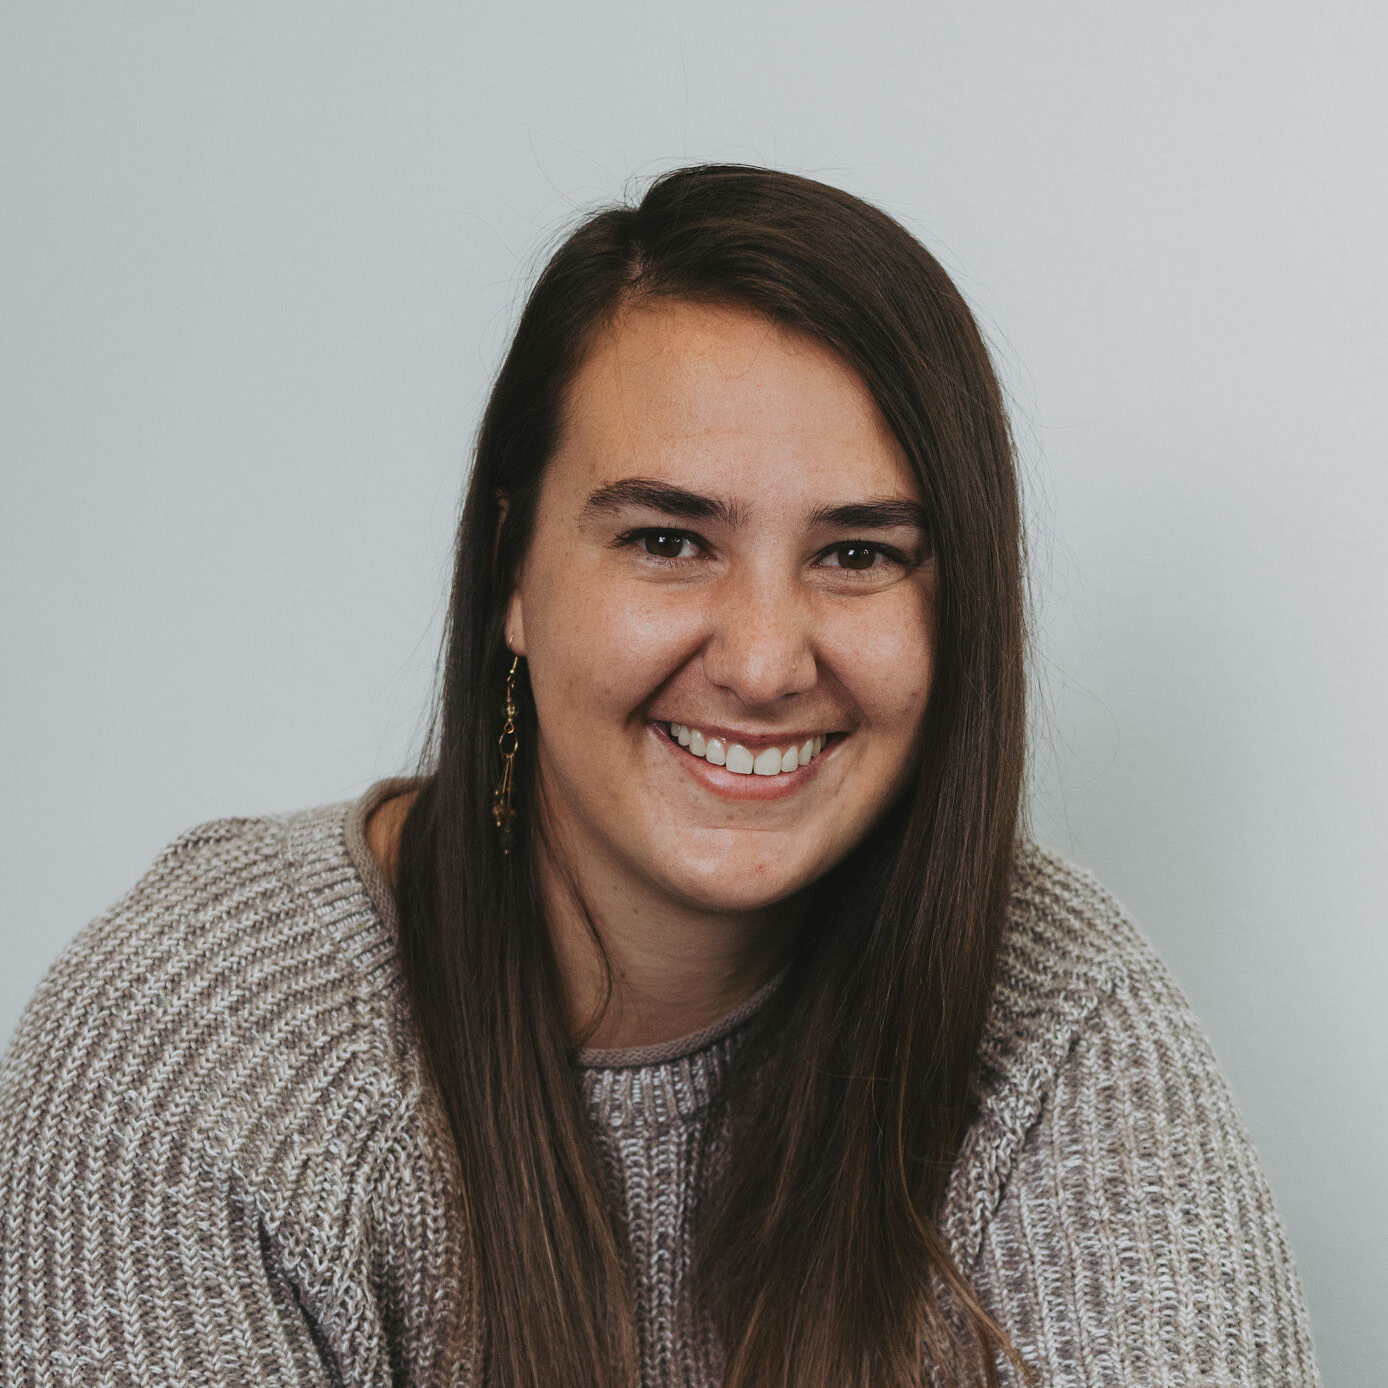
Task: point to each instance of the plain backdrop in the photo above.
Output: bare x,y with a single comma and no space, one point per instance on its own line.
259,265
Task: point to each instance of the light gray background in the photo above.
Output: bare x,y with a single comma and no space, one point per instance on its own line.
260,262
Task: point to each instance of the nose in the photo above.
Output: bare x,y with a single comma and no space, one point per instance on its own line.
761,646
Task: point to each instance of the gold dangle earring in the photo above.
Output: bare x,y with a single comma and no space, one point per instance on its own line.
502,811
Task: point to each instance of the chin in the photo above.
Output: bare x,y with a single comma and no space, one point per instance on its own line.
736,885
745,903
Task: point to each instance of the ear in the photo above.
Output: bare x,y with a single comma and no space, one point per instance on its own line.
515,624
515,609
502,506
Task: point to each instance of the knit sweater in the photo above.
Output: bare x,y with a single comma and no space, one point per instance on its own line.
222,1162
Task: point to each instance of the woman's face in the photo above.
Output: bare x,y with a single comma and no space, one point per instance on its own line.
728,541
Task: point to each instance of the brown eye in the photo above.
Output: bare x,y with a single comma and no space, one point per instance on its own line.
857,556
663,544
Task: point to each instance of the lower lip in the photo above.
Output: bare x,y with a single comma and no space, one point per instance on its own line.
733,786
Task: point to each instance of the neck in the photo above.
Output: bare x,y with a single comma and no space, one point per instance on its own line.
673,973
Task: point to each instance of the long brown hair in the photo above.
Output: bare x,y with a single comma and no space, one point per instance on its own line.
819,1256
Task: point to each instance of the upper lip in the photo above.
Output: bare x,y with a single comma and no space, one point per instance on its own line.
749,740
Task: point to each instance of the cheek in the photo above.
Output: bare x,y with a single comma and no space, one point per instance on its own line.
887,663
599,643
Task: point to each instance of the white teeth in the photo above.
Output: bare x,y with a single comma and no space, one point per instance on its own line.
740,759
769,761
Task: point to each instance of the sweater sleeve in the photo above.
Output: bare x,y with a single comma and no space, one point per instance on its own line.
1136,1242
196,1150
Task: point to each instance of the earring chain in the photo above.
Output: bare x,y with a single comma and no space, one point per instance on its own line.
502,810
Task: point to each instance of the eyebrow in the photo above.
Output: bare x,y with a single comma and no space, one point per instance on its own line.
879,513
876,513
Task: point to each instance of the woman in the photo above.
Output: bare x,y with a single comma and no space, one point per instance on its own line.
698,1015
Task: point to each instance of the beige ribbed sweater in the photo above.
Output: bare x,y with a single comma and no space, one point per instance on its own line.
220,1162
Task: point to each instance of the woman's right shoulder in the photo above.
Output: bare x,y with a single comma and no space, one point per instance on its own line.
168,940
213,1104
243,988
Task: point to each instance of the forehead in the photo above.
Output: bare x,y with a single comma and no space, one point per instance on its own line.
723,396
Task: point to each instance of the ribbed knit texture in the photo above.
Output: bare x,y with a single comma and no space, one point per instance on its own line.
221,1162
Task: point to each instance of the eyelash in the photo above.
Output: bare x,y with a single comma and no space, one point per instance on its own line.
632,538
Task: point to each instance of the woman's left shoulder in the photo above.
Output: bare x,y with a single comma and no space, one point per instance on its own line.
1107,1198
1070,961
1068,949
1063,923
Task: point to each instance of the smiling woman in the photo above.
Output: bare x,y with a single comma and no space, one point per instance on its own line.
799,615
699,1014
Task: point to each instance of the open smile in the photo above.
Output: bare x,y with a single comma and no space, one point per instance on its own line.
747,768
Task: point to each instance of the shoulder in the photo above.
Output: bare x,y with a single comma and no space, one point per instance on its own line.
1072,965
241,1003
1108,1204
214,1104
